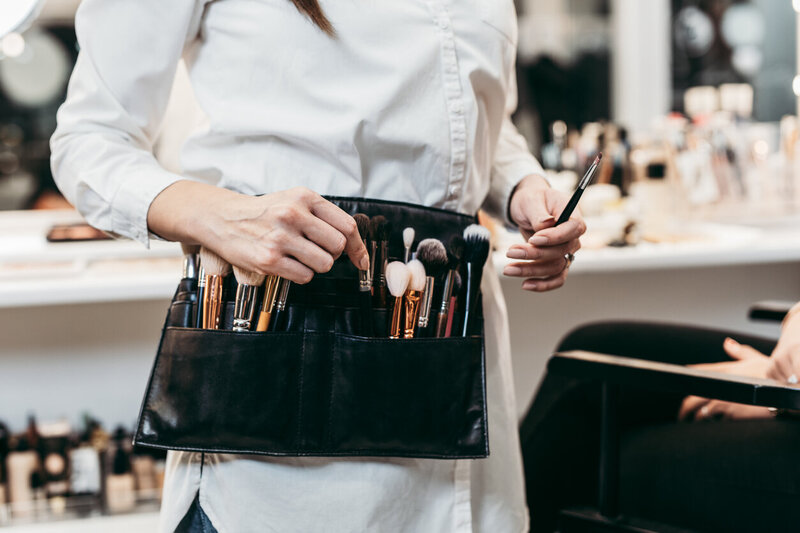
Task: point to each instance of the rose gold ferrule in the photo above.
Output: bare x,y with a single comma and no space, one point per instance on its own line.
411,300
270,291
395,326
212,302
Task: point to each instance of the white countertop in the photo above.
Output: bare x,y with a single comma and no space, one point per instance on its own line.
34,272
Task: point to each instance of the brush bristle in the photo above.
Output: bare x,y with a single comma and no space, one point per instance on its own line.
362,222
417,281
476,244
190,249
433,255
408,237
397,278
380,228
213,264
455,250
457,282
246,277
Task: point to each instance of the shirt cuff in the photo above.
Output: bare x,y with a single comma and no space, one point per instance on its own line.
132,202
503,183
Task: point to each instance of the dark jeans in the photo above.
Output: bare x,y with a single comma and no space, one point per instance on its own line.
727,475
195,520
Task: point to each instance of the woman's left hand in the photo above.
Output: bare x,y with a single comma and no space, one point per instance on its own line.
545,258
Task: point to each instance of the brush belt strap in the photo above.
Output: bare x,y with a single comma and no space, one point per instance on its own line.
319,388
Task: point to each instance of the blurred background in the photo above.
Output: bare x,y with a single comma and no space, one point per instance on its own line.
695,215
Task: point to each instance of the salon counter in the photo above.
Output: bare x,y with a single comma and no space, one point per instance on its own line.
87,329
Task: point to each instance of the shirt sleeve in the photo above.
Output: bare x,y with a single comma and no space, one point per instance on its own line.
102,150
512,161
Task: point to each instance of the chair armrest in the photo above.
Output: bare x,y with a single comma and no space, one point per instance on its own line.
674,378
774,310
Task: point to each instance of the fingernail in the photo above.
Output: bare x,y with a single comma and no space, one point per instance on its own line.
512,270
546,219
516,253
529,286
729,340
364,263
538,240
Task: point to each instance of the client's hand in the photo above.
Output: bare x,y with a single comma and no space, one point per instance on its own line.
534,208
747,362
291,233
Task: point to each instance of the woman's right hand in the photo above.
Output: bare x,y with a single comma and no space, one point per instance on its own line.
292,233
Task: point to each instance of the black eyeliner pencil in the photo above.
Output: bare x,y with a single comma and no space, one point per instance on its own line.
576,196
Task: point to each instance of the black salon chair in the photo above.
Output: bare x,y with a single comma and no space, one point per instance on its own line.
603,450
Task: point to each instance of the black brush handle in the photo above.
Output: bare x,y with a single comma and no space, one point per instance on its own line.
198,319
571,205
365,303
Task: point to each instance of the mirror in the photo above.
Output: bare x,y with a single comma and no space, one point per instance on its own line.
16,15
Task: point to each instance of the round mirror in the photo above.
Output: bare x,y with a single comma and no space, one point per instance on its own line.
15,15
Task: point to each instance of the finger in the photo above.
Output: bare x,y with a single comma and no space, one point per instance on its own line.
708,410
782,367
536,269
324,235
309,254
740,351
544,285
343,222
689,406
293,270
544,223
569,230
530,252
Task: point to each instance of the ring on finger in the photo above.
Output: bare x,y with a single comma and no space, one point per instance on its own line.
792,380
569,258
704,411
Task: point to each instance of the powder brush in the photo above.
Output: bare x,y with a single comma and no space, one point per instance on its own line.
244,307
397,277
416,286
408,241
365,277
476,251
216,268
433,256
190,260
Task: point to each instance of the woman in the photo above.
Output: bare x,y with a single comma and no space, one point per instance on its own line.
406,101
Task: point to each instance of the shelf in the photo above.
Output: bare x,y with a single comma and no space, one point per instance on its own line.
129,523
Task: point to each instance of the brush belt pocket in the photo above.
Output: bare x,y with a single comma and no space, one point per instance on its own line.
319,388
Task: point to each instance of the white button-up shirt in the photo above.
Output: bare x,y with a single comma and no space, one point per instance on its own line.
410,101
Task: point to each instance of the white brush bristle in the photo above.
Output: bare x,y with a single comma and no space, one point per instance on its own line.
408,237
417,281
246,277
476,231
397,277
213,264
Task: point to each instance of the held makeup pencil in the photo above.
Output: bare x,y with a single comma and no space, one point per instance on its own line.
433,256
476,251
379,232
416,286
454,259
408,241
268,304
279,322
397,277
365,277
216,268
244,308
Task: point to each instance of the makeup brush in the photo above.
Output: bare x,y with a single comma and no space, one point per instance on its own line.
244,307
408,241
451,313
433,256
456,250
190,252
201,290
279,322
413,294
476,250
268,304
216,268
365,277
379,232
397,277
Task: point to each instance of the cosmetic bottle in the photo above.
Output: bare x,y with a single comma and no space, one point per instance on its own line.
655,198
144,475
5,437
120,483
21,463
85,474
53,449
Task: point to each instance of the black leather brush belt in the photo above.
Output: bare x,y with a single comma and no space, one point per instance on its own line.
317,387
